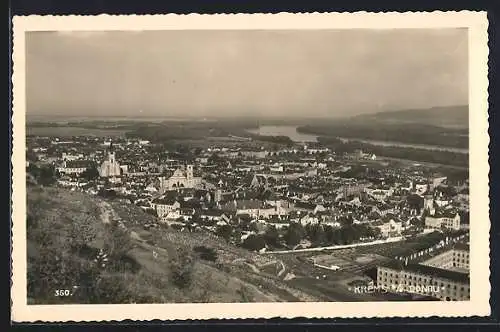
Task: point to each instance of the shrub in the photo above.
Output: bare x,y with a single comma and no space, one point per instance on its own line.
225,231
181,268
245,294
117,241
208,254
110,289
254,242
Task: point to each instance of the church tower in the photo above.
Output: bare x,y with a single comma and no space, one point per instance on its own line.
111,153
218,195
110,167
428,202
189,172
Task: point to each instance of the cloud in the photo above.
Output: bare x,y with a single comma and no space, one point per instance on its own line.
324,73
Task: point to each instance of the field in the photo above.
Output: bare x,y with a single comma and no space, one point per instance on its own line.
350,261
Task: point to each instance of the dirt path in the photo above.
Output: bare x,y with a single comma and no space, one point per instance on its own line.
153,258
244,262
283,269
107,212
274,262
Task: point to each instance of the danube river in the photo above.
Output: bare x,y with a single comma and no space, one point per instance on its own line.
291,131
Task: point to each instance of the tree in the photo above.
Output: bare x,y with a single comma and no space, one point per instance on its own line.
294,234
107,193
81,232
225,232
347,234
253,227
254,242
197,151
31,156
215,159
110,289
181,268
418,222
328,233
415,202
245,294
182,149
45,175
346,220
315,233
118,242
271,236
375,232
34,170
208,254
90,174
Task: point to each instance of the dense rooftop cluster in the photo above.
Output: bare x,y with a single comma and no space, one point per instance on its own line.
290,196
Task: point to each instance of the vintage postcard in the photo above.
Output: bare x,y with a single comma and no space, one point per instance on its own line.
182,167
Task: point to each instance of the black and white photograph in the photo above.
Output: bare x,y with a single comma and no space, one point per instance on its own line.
269,165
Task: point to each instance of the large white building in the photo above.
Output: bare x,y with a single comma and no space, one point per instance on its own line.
438,217
456,259
444,277
445,219
110,167
74,167
181,178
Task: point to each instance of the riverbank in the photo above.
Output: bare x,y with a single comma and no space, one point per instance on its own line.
298,135
401,135
405,145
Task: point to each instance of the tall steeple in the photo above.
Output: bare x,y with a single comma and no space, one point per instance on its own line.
111,153
110,167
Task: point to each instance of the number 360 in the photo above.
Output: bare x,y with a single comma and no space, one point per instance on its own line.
62,292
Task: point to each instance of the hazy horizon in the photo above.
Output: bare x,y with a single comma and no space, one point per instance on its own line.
248,73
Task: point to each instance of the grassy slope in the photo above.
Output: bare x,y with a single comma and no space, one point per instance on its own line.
60,221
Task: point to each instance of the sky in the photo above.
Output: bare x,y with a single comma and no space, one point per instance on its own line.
311,73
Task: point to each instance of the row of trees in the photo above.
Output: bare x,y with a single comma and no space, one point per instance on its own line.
273,139
416,154
317,234
47,175
321,235
44,175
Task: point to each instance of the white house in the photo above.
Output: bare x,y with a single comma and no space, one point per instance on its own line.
445,219
164,206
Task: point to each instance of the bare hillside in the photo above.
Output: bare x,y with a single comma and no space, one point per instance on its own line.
100,252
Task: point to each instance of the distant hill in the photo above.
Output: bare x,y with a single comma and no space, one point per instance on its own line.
449,116
439,126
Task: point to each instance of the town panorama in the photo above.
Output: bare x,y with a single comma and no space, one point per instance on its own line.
227,166
188,211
